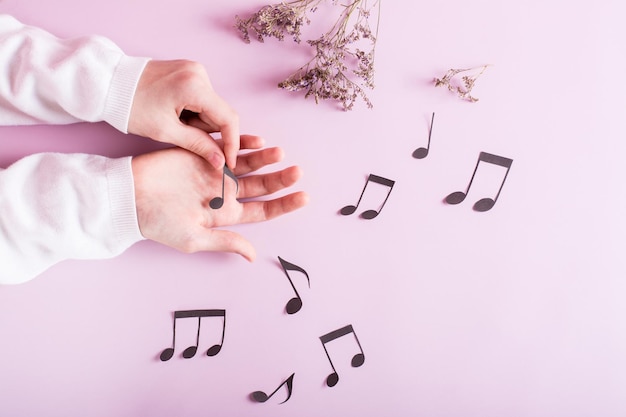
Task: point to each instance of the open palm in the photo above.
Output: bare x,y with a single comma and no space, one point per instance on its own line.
174,188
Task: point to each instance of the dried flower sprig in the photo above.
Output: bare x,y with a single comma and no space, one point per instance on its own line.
341,68
277,20
463,91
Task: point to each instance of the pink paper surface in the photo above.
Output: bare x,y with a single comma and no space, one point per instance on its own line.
518,311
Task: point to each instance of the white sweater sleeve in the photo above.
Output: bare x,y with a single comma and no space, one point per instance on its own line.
53,206
44,79
58,206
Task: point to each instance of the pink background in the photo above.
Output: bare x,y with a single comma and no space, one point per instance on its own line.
518,311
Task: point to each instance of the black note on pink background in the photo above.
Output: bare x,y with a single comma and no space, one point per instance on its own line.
295,304
370,214
261,396
486,203
421,152
357,360
190,352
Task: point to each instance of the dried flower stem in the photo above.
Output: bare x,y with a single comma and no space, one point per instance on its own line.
464,92
339,70
276,20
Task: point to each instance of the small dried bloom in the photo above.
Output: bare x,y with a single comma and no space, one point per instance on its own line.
324,78
277,20
463,91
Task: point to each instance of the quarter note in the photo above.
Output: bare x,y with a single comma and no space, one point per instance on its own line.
421,153
370,214
484,204
190,352
261,396
218,202
295,304
357,360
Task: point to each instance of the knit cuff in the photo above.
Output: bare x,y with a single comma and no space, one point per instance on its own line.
122,91
122,201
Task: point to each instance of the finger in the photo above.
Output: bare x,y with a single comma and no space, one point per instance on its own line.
255,160
230,136
248,142
222,241
256,211
229,143
191,118
216,112
260,185
251,142
198,142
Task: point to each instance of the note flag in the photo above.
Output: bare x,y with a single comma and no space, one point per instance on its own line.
370,214
357,360
295,304
190,352
218,202
421,153
261,396
487,203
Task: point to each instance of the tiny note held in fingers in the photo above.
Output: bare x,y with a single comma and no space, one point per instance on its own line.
218,202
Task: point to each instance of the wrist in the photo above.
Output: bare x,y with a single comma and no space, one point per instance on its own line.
118,105
122,200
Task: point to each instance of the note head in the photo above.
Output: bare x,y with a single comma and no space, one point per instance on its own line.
484,204
456,197
358,360
369,214
190,352
348,210
420,153
332,379
294,305
214,350
167,354
216,203
259,396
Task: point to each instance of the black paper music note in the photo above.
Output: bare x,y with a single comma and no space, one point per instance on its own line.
218,202
370,214
483,204
190,352
357,360
295,304
421,153
261,396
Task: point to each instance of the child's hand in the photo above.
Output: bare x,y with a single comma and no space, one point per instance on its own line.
173,188
169,89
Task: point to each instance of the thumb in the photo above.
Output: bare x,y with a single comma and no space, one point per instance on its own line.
199,142
224,241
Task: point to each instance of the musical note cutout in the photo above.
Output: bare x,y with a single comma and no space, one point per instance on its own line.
357,360
190,352
261,397
295,304
483,204
370,214
421,153
218,202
